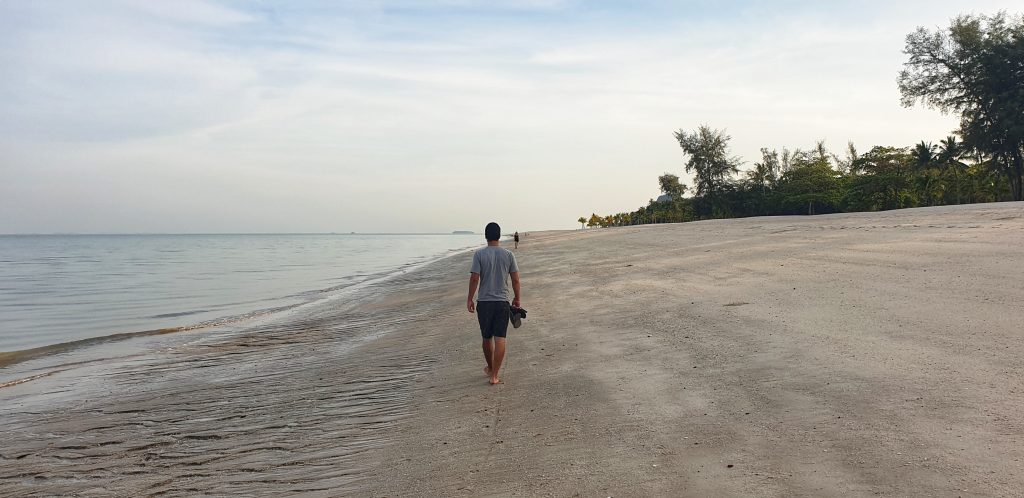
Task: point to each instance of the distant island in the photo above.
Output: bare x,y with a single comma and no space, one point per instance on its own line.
462,232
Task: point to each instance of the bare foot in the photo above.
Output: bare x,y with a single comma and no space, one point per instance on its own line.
495,381
487,371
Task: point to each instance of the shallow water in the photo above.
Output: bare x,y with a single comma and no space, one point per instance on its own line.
287,406
57,289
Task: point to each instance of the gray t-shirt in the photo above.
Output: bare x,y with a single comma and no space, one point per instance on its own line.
493,263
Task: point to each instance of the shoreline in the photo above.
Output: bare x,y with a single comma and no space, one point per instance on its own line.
836,355
11,358
142,412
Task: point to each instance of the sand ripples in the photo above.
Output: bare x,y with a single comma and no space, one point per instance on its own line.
288,408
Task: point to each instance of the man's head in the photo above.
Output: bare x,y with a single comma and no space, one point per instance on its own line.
492,231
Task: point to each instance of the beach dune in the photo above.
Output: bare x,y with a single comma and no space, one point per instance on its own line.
842,355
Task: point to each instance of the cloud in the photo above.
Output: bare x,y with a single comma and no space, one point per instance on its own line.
129,70
299,116
189,12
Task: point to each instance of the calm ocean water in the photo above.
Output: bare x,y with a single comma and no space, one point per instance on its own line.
61,288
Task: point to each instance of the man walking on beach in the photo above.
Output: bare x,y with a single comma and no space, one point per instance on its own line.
490,267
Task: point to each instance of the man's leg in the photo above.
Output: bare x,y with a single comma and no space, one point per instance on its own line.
498,330
485,315
497,356
488,348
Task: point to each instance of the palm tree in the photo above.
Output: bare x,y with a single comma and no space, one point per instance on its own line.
924,160
765,175
583,222
950,153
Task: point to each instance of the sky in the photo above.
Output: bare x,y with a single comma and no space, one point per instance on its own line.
205,116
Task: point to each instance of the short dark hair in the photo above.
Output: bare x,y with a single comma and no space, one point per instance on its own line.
493,231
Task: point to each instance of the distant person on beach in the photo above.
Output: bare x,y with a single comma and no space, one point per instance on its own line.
491,266
516,237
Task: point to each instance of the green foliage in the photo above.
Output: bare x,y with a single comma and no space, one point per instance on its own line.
950,154
709,160
928,182
811,188
975,68
670,186
881,181
815,181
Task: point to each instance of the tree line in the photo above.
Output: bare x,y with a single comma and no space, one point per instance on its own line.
975,69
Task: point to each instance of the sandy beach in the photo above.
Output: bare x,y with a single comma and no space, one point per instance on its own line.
855,354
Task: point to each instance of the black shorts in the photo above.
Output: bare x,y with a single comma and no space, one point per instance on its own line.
493,317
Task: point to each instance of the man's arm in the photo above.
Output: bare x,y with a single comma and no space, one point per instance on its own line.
474,281
515,288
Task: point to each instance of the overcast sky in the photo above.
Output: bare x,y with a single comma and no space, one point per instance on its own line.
416,116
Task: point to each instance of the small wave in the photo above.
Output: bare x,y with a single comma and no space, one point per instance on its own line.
180,313
28,379
8,358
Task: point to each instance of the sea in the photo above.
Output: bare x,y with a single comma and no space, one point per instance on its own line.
67,290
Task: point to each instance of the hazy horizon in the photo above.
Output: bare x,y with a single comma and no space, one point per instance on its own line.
451,232
215,117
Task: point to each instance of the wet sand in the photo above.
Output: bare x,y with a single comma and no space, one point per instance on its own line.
841,355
